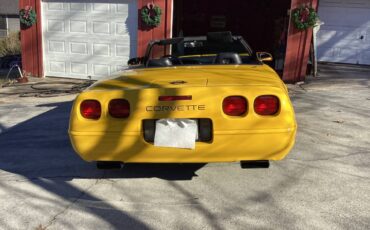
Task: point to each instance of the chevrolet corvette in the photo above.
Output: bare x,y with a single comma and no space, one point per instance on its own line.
188,100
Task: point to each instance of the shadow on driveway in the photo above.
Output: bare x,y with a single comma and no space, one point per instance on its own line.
39,150
40,147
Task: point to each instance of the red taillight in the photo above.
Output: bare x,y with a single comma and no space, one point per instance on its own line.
234,105
266,105
174,98
119,108
90,109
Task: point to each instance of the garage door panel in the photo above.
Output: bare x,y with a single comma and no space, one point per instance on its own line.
367,36
330,2
338,54
78,26
326,53
346,3
83,26
347,55
365,57
57,67
84,5
87,38
79,48
356,3
122,50
343,37
88,60
77,7
55,25
55,46
101,70
79,68
55,6
349,17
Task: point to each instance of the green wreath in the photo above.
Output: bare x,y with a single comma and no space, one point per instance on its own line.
304,17
27,16
151,15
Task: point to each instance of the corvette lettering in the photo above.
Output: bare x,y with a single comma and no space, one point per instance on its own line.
166,108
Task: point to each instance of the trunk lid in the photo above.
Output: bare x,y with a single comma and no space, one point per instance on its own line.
191,76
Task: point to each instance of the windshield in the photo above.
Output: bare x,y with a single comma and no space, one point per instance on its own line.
199,51
198,47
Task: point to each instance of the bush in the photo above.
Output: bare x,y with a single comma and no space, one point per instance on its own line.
10,45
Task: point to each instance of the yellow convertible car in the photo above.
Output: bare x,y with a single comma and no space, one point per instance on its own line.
188,100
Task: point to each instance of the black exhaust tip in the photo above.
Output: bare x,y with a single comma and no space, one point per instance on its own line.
109,164
254,164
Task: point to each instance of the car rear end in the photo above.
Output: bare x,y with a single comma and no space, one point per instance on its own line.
236,122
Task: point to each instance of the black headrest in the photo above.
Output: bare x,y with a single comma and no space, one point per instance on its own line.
162,62
220,37
228,58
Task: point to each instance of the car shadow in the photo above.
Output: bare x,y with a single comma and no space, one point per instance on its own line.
161,171
38,152
40,148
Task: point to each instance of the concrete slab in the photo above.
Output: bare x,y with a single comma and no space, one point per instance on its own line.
323,184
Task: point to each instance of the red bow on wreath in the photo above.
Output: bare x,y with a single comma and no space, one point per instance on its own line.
305,14
27,12
150,6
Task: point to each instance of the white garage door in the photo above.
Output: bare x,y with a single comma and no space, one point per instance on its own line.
345,36
88,37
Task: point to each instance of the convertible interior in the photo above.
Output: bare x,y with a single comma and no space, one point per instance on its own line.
217,48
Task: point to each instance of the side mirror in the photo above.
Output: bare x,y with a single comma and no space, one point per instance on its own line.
135,61
264,56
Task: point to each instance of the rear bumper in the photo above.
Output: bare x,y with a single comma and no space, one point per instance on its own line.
227,146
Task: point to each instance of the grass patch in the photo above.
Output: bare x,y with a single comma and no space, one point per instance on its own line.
10,45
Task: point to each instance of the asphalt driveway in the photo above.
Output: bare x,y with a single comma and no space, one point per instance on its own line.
323,184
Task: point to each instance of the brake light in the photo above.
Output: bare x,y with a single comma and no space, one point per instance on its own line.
174,98
234,105
119,108
90,109
266,105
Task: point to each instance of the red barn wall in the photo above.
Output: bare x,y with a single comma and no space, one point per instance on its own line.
31,42
298,48
164,30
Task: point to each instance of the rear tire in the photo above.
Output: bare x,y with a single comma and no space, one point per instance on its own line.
254,164
108,164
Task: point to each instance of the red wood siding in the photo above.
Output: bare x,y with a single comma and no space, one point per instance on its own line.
31,42
298,47
146,34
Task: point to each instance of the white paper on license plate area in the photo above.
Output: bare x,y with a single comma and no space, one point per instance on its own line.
176,133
